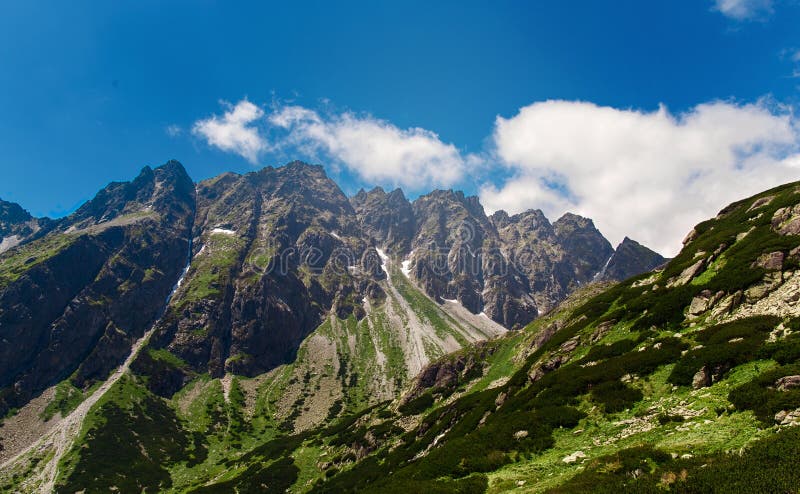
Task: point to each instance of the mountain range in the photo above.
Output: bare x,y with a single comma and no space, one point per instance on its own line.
264,332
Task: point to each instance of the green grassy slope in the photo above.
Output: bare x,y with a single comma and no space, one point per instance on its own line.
608,402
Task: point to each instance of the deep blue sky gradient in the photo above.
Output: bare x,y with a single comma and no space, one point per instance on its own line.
88,88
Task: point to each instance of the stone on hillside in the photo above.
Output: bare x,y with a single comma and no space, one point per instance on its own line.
702,378
570,345
687,274
602,329
757,292
741,235
569,459
690,236
540,370
787,383
727,304
761,201
700,303
501,398
788,417
786,221
520,435
772,261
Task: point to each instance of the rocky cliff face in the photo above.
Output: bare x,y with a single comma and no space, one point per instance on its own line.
457,254
273,254
386,218
17,226
630,259
510,268
72,301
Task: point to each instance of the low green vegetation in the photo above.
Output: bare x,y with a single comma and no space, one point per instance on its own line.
17,261
128,442
210,268
67,398
768,465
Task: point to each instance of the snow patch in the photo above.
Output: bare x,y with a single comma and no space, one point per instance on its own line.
406,265
336,236
483,314
384,259
202,249
183,274
603,269
451,300
224,231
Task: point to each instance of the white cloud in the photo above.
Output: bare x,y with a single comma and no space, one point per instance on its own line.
741,10
173,130
795,57
234,130
649,175
375,149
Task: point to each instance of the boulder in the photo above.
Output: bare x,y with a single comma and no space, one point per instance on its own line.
690,236
757,292
786,221
787,383
702,378
570,345
704,301
772,261
687,274
788,417
602,329
569,459
761,201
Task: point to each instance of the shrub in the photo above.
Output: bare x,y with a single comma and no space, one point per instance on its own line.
615,396
666,418
417,405
759,396
720,354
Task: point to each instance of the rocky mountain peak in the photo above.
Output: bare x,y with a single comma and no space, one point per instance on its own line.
17,225
387,219
531,220
450,199
158,190
301,170
570,222
500,219
629,259
12,213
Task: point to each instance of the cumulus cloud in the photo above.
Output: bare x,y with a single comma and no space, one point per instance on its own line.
649,175
375,149
741,10
235,131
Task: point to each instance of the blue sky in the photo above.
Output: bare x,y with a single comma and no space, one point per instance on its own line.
92,91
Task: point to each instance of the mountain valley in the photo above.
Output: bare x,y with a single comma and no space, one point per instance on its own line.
266,333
